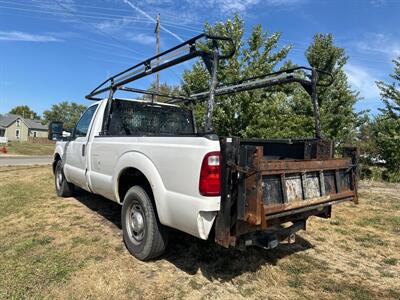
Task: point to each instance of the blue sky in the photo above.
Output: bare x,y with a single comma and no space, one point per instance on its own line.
57,50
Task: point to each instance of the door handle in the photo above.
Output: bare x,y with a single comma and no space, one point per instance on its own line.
83,149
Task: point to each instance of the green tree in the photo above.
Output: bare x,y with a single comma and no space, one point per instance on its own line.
390,93
387,130
280,111
24,111
339,121
164,89
66,112
260,113
365,139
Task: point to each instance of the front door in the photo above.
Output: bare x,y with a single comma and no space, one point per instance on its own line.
76,164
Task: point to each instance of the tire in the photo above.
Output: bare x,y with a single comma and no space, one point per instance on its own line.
144,236
63,187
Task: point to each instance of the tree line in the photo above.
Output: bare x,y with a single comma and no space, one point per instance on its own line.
283,111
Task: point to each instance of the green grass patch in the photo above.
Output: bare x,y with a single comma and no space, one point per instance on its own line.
295,282
349,290
15,196
31,264
390,261
30,149
393,222
370,240
342,231
337,221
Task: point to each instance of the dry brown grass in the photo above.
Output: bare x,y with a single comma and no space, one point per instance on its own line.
72,248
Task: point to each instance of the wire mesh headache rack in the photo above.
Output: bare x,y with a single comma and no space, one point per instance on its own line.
211,56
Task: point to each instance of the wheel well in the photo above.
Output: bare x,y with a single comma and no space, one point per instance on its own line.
57,157
130,177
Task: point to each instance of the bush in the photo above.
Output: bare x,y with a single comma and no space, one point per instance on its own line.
390,176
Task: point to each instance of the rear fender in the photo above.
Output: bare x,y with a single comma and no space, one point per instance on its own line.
142,163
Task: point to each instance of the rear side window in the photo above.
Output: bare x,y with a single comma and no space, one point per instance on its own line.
134,118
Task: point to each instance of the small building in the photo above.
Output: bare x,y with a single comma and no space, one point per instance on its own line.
17,128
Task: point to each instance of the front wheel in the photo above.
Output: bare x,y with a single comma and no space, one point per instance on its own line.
144,235
63,187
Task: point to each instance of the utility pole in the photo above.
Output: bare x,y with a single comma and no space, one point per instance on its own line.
157,32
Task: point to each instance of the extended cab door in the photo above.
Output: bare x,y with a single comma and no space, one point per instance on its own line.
76,152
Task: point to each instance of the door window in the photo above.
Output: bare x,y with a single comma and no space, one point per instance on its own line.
82,127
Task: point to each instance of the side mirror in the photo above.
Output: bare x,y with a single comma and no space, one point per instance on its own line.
55,131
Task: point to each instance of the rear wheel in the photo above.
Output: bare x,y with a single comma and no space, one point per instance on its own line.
144,236
63,187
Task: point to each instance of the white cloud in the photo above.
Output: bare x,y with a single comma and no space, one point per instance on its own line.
221,7
380,43
142,38
26,37
241,6
378,3
283,2
115,25
361,80
235,5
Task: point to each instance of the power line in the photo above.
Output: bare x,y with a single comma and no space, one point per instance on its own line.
98,29
92,13
177,17
104,16
77,5
121,18
76,14
152,19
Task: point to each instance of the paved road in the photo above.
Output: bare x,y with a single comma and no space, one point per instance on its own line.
25,160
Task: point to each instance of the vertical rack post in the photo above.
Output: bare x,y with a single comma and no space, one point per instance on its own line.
107,112
157,31
314,96
211,99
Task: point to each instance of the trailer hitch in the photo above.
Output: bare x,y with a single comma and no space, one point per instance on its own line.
270,239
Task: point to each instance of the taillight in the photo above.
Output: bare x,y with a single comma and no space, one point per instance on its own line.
210,175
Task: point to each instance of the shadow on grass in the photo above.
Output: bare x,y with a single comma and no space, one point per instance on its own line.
108,209
191,254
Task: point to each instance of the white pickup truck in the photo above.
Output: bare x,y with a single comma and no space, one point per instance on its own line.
150,158
172,179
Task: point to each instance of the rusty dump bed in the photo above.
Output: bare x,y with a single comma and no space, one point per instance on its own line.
269,182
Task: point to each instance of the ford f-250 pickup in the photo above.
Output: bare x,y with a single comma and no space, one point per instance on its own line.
150,158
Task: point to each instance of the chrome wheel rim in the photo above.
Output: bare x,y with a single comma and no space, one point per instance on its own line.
136,224
59,178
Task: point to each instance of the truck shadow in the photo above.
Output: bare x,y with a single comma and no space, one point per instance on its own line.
191,254
109,210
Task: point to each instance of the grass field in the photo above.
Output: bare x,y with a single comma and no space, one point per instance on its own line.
30,149
72,248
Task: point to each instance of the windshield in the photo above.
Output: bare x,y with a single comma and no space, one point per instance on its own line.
136,118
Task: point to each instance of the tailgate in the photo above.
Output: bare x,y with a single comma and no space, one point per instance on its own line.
259,192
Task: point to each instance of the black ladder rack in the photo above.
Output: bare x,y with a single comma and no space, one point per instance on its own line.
307,77
171,57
